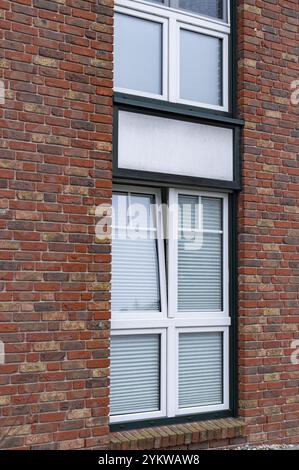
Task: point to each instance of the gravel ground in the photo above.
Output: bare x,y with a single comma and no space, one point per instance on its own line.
267,447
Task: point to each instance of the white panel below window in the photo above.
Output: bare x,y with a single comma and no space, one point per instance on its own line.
162,145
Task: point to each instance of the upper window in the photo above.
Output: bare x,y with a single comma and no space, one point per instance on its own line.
173,54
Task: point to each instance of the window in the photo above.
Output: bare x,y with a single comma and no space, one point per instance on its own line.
174,54
213,8
135,250
135,374
200,369
138,49
199,266
200,62
169,347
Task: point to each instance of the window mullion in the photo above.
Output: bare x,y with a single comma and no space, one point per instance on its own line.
172,252
161,253
172,370
225,261
173,60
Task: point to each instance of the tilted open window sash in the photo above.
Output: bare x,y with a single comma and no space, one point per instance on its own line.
138,272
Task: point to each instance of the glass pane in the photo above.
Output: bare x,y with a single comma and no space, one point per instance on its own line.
212,213
200,369
135,273
214,8
189,213
200,68
200,255
135,374
138,54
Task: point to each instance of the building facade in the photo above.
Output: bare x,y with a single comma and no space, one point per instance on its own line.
149,215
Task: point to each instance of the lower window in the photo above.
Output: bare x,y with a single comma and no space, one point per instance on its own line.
170,309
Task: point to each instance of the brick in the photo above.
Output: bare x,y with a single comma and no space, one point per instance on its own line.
45,61
47,346
52,396
4,400
73,444
76,414
33,367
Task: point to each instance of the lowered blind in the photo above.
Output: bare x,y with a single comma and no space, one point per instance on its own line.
135,274
200,254
200,369
135,374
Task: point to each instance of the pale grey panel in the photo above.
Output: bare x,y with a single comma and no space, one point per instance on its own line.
163,145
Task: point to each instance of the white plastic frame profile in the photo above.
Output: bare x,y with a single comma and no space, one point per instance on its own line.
206,317
225,373
162,411
118,316
224,71
164,65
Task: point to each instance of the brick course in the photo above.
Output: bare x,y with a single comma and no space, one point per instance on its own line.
55,168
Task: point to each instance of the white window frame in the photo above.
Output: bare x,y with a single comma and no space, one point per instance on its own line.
148,6
144,314
150,414
225,372
173,20
164,65
224,71
208,317
170,323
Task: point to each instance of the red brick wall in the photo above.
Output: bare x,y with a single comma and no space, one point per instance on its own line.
269,219
55,167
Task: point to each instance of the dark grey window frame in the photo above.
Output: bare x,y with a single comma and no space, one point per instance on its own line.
229,119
